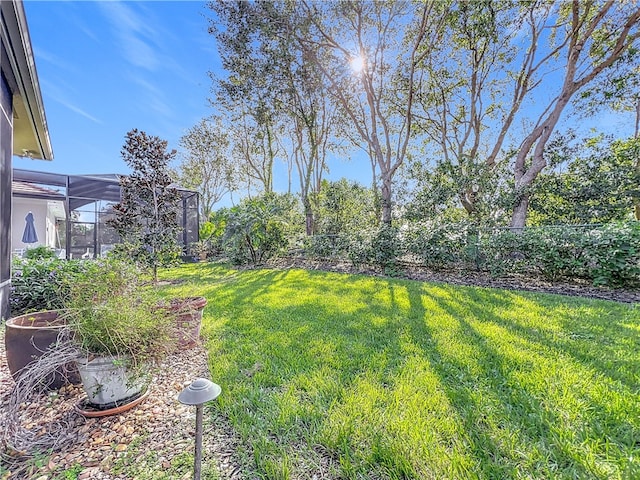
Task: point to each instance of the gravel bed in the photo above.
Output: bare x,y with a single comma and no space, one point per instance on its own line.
155,436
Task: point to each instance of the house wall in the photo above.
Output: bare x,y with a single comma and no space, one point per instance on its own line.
21,207
23,126
6,148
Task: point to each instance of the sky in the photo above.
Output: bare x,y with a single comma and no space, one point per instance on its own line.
107,67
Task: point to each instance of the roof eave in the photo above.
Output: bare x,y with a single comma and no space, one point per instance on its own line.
31,134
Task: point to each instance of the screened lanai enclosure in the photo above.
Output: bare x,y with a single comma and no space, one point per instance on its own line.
70,213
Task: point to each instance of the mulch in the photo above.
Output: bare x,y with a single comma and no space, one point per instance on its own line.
151,437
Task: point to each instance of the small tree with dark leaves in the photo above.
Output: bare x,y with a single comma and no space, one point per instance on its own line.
147,217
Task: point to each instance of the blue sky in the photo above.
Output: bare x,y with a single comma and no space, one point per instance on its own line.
108,67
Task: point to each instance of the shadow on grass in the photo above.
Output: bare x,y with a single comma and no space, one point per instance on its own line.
301,352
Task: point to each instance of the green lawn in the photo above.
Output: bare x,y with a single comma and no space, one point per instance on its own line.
382,378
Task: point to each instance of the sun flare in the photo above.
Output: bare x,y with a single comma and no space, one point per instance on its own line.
357,64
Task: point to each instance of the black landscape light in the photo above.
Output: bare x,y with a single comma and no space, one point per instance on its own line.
199,392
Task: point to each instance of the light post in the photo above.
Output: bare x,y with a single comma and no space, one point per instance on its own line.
200,391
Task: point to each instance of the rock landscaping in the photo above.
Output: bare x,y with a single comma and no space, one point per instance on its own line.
155,438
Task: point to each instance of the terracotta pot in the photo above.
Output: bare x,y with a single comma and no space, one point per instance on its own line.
28,336
188,316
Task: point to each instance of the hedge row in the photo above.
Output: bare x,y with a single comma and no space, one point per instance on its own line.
605,255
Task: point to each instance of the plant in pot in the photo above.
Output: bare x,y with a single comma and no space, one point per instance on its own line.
115,321
186,313
39,287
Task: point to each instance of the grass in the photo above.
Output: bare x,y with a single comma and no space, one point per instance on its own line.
367,377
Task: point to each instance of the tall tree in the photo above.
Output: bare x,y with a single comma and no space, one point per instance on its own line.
589,37
507,74
147,216
368,53
245,93
265,32
460,96
206,165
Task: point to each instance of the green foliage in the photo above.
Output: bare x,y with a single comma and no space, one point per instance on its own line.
614,254
206,164
344,207
112,311
258,228
379,247
597,185
73,472
606,255
38,253
326,246
439,245
147,217
401,379
453,193
212,234
43,284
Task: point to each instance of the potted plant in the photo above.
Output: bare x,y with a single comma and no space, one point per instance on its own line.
116,323
187,316
27,337
39,286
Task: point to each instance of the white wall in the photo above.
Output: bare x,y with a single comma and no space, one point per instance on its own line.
21,207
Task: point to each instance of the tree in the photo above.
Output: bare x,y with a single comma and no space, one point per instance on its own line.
258,228
592,37
510,64
592,182
345,207
206,165
257,41
147,217
458,97
245,93
381,41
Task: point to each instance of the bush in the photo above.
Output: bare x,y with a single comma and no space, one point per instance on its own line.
614,254
380,247
257,229
40,252
440,246
43,284
606,255
112,310
326,246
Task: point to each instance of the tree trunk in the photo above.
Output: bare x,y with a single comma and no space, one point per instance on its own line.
308,212
519,216
386,199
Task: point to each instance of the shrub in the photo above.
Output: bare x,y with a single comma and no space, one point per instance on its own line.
386,247
326,246
614,254
43,283
40,252
606,255
113,311
380,247
440,246
257,229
